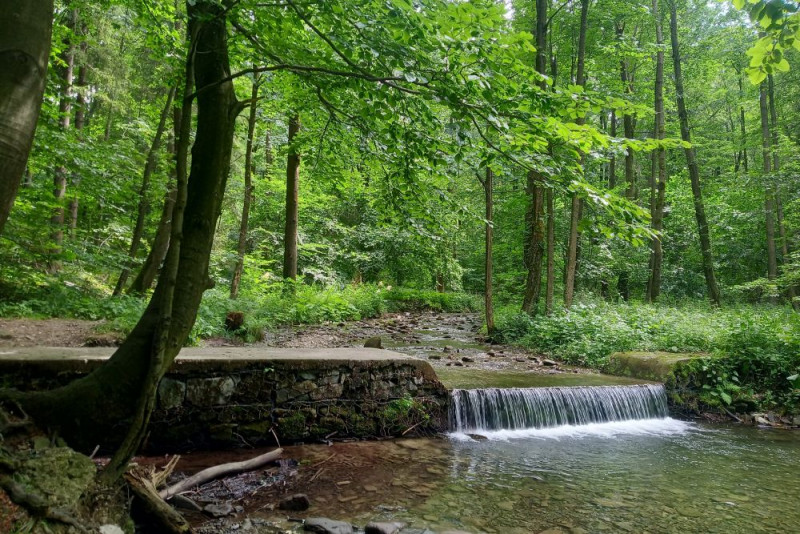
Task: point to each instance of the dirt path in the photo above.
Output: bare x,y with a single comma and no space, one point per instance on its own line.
53,333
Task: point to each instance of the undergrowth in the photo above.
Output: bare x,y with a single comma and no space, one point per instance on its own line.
756,348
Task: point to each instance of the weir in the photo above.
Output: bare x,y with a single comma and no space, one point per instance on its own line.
476,410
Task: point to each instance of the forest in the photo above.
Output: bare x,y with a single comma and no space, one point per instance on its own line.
591,176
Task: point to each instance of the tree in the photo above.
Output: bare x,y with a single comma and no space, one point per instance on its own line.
691,161
292,184
25,31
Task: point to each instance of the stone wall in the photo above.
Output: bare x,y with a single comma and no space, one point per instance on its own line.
237,397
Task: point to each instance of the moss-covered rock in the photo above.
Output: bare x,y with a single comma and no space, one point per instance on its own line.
657,366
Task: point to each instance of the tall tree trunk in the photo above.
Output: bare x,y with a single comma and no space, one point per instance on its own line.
25,29
135,368
629,128
60,176
612,162
742,129
292,182
769,187
575,209
144,204
551,250
534,223
248,193
488,191
659,170
158,250
80,122
691,161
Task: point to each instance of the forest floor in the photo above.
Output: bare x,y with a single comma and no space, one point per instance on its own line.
444,339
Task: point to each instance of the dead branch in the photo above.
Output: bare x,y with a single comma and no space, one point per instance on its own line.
218,471
141,483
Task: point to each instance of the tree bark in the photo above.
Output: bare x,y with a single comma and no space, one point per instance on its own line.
551,249
80,122
612,162
488,191
292,182
158,250
659,170
691,161
248,193
571,264
534,244
144,204
25,29
742,130
60,176
136,367
533,250
769,187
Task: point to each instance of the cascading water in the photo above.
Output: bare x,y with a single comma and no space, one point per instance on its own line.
476,410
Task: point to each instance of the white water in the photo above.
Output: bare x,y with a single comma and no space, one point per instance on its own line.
552,413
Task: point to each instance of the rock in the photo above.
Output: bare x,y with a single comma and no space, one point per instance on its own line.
491,353
458,364
383,528
478,437
111,529
519,359
210,391
219,509
322,525
467,359
41,442
434,357
549,363
185,503
171,393
295,503
796,420
373,343
5,335
760,419
447,348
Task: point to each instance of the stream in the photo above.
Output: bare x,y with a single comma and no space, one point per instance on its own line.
647,475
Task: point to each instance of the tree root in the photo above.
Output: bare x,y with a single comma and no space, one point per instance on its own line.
143,485
37,506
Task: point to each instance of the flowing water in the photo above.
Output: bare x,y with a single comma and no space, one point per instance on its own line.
575,460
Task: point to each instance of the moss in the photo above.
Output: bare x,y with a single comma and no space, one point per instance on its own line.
292,427
658,366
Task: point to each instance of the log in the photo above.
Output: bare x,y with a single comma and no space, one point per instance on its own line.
169,519
218,471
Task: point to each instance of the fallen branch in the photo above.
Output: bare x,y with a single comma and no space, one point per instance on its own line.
169,519
219,471
732,415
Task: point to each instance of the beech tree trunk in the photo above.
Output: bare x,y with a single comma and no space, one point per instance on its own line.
691,161
551,250
248,193
742,161
533,250
292,181
488,190
571,264
25,29
60,176
769,188
80,122
612,162
659,170
136,367
144,204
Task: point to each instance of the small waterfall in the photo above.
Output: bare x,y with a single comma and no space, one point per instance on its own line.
475,410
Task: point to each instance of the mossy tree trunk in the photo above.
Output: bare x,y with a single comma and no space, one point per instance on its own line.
104,402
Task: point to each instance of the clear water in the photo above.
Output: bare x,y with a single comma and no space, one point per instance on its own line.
655,475
479,410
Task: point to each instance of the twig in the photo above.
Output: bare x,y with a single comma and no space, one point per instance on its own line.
409,429
732,415
323,461
318,473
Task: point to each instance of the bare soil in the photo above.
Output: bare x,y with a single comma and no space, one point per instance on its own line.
52,333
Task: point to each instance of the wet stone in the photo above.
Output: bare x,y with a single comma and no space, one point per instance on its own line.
383,528
209,391
322,525
295,503
219,509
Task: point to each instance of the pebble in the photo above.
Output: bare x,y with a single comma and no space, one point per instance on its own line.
383,528
323,525
219,509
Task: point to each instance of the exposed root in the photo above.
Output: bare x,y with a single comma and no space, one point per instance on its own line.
37,506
